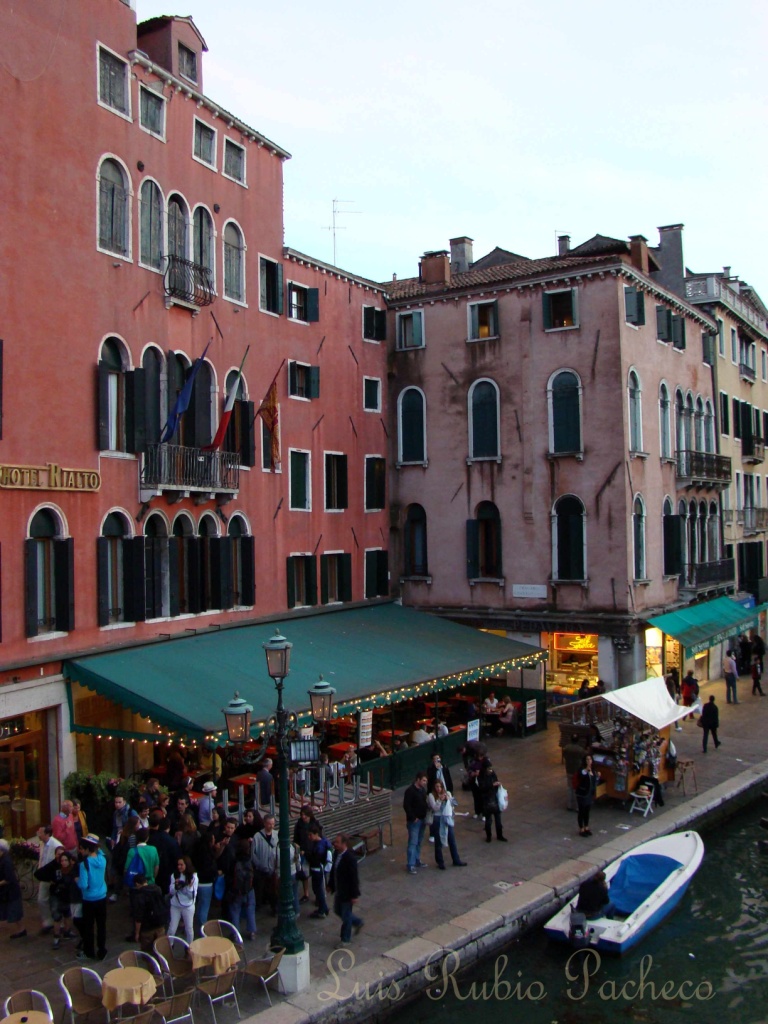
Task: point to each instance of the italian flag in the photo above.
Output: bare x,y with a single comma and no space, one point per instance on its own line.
226,416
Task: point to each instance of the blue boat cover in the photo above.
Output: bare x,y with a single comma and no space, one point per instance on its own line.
637,878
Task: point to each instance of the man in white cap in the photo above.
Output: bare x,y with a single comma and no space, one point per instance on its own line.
206,805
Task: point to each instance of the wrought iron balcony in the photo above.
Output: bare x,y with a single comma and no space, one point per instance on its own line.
190,282
747,373
702,575
755,519
752,450
703,468
173,467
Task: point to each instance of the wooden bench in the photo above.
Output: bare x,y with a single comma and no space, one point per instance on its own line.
363,821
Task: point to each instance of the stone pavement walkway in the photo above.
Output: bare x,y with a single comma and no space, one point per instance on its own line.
395,905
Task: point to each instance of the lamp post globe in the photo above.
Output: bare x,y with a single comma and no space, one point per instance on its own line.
286,933
237,715
321,701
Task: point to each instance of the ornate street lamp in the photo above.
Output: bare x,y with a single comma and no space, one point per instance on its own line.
237,715
286,932
321,701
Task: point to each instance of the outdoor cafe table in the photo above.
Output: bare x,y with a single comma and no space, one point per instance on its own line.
127,985
387,734
28,1016
214,951
244,780
338,750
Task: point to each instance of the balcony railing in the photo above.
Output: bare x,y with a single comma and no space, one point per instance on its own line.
703,467
173,467
755,519
697,575
747,373
752,449
188,281
710,288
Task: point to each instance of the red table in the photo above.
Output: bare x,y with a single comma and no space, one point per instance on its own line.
387,734
338,750
244,780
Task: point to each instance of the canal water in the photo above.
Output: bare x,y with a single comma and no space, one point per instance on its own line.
707,963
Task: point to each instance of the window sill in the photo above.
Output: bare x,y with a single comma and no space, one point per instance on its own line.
499,581
410,348
204,163
269,312
372,410
417,579
491,337
292,509
372,341
579,456
125,257
638,455
635,327
669,459
116,625
569,583
240,303
237,181
671,577
485,458
154,135
554,330
298,320
404,465
642,582
109,454
173,300
126,116
56,635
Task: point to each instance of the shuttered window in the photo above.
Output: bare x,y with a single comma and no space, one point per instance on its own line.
205,143
375,483
301,575
374,324
673,541
566,413
300,495
113,81
634,306
234,263
376,574
335,482
49,577
151,226
412,426
569,539
484,420
113,208
234,161
152,112
415,542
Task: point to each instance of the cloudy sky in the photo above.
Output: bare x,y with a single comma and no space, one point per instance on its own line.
509,122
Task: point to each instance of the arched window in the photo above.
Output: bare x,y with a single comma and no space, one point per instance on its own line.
713,532
484,543
242,555
49,576
689,423
484,420
709,427
112,366
151,225
114,221
234,263
183,568
157,568
415,542
635,413
664,425
673,540
564,395
412,426
638,537
200,412
680,431
698,422
568,539
178,367
111,574
154,421
702,538
202,240
178,222
209,565
240,433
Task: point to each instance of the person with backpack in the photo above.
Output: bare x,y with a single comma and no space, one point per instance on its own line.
319,854
241,898
149,912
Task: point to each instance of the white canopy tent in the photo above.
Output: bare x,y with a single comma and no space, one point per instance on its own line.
649,701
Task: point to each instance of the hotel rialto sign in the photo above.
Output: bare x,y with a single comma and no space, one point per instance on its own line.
50,477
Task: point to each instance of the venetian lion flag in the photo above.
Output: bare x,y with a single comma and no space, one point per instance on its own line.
229,405
182,402
269,414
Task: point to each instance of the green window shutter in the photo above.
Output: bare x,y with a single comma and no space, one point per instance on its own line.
382,574
194,548
369,322
313,305
221,572
380,325
678,332
135,411
673,545
292,382
746,421
248,570
314,382
736,418
280,292
708,348
290,569
310,564
663,323
30,587
634,302
418,333
474,322
324,579
174,583
102,581
485,436
247,434
370,574
566,425
345,577
102,412
64,572
547,311
299,497
725,419
412,426
473,549
134,597
343,487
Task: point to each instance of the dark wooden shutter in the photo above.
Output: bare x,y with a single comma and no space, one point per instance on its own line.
473,549
342,478
102,580
102,407
630,305
418,333
135,411
313,305
1,563
64,570
293,386
280,294
547,311
174,589
313,381
290,569
299,493
474,322
200,410
370,574
247,434
382,574
345,577
673,545
134,592
30,588
324,579
248,570
380,321
708,348
663,323
746,421
736,418
194,551
221,572
725,414
369,322
678,331
311,569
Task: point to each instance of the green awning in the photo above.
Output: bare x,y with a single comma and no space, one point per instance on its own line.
701,626
372,655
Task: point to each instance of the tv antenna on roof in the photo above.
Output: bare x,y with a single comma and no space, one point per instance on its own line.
334,227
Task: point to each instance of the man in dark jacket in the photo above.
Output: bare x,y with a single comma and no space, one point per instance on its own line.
149,912
710,721
345,886
438,770
415,807
168,850
573,755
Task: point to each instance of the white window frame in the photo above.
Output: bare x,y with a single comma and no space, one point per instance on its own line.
665,423
308,507
158,96
574,308
333,511
126,115
425,460
553,521
551,413
304,366
378,400
720,338
400,317
163,227
643,553
373,455
204,124
635,412
734,347
243,182
291,285
475,305
243,255
196,55
471,423
763,364
128,256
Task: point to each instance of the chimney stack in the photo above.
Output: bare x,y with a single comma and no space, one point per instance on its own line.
435,267
563,245
461,254
672,273
638,252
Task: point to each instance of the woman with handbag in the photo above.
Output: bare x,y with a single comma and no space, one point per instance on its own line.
440,804
488,784
586,787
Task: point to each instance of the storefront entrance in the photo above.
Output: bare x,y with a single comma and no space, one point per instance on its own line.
24,800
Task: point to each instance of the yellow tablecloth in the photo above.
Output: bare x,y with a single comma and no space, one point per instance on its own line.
213,951
127,985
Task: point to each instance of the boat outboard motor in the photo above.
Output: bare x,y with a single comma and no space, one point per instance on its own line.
578,932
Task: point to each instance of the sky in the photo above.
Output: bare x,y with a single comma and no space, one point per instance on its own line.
509,122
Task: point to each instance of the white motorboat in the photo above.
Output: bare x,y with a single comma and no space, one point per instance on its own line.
645,885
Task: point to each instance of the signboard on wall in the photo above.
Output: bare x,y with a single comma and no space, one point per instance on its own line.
365,729
578,643
530,714
535,590
473,729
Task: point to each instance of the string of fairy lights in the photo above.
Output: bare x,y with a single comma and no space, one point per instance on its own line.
383,698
